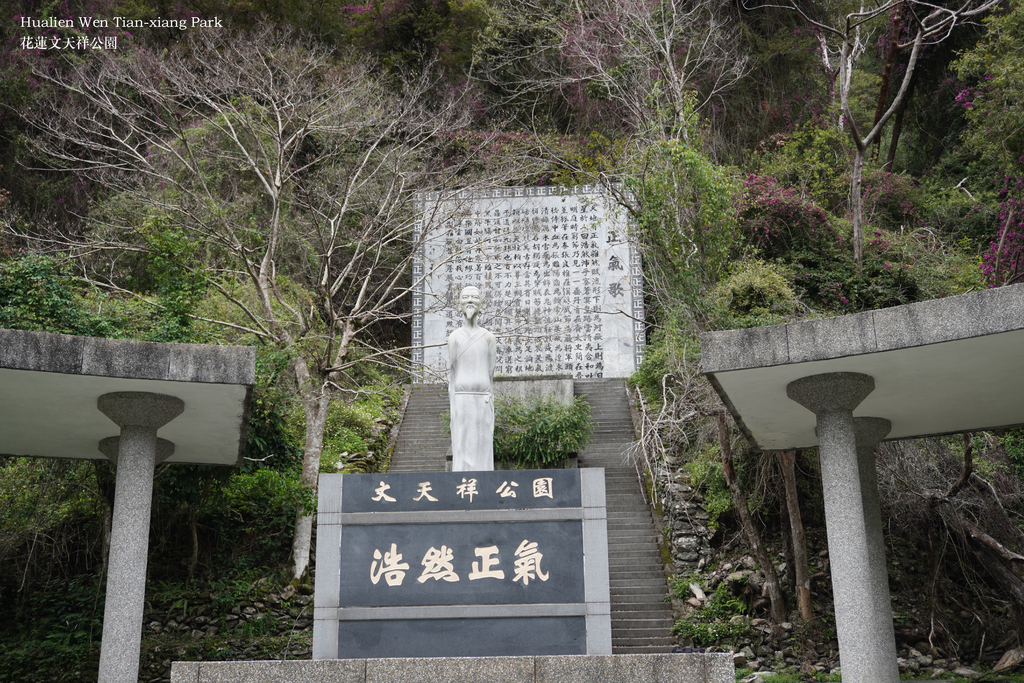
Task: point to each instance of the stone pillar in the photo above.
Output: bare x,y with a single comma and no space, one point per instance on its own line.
139,415
860,586
870,431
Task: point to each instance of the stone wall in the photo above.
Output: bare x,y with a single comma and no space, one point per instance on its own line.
255,627
560,279
555,387
683,509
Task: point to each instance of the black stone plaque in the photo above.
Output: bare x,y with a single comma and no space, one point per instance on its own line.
462,564
425,565
429,491
491,637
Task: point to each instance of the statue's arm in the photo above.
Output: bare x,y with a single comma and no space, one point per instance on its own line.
452,356
492,356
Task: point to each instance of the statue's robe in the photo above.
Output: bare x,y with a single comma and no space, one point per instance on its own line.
471,358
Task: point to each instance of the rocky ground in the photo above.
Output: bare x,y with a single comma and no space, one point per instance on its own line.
252,621
809,651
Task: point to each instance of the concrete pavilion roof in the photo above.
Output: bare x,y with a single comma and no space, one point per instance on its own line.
940,367
49,384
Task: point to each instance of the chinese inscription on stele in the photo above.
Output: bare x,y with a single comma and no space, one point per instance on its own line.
497,557
559,276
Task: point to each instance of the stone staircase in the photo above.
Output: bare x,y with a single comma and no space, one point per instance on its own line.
641,617
422,445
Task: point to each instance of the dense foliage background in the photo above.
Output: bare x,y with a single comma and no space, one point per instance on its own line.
250,184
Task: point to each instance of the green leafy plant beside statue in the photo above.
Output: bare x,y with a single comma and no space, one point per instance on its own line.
534,434
537,433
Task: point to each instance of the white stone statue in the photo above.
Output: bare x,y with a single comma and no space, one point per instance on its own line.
472,352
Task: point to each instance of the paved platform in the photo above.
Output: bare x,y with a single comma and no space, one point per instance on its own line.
646,668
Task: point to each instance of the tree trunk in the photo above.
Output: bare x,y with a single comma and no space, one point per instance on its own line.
897,125
193,524
315,402
789,578
856,206
771,578
890,60
787,463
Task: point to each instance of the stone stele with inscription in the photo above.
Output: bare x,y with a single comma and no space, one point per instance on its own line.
559,278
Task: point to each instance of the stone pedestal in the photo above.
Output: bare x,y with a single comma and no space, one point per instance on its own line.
867,646
139,415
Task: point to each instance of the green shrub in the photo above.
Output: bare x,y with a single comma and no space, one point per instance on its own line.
36,294
355,435
706,475
539,433
713,623
269,442
953,214
1013,442
891,201
61,641
255,516
899,268
813,159
668,349
341,444
755,294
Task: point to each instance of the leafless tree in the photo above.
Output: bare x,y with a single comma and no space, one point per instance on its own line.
646,67
846,39
963,518
287,169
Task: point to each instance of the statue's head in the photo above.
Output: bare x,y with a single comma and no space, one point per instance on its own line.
470,302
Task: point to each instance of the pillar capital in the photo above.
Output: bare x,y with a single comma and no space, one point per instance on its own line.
140,408
111,446
870,431
833,391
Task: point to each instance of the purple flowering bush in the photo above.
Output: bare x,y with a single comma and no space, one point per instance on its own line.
776,218
890,200
901,265
1003,262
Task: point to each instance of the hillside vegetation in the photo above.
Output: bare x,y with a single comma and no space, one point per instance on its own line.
251,184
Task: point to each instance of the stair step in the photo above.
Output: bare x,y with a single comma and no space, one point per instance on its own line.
651,622
641,575
640,610
626,614
640,593
654,588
